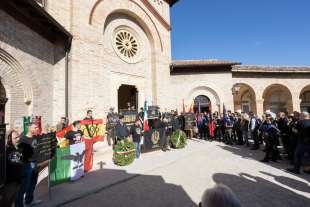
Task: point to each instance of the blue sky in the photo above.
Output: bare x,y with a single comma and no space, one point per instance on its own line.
254,32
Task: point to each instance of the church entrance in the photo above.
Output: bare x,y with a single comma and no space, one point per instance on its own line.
202,104
3,100
127,98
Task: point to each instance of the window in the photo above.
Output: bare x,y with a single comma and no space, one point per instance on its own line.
126,45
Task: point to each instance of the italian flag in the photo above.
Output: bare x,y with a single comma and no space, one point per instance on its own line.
145,119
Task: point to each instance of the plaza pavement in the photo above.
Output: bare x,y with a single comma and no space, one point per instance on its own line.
178,178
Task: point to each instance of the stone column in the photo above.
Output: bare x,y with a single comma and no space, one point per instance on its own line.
260,106
296,104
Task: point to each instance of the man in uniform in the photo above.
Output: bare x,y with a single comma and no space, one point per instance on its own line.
254,126
228,125
111,123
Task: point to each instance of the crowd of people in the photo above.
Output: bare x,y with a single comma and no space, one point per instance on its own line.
291,132
22,168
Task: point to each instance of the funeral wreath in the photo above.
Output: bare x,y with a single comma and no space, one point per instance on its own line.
124,153
178,139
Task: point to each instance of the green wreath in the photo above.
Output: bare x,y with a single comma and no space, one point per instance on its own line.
178,139
124,153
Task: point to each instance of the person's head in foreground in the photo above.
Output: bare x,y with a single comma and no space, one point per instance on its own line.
219,196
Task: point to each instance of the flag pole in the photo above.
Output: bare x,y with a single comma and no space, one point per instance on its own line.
49,181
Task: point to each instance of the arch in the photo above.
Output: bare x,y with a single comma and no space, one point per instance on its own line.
204,91
202,102
244,98
278,98
305,99
3,100
15,69
17,86
131,11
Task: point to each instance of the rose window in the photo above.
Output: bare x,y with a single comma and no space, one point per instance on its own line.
126,46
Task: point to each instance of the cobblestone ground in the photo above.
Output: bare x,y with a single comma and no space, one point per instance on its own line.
179,177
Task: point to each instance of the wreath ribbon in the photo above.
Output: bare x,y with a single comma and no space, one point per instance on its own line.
121,152
178,140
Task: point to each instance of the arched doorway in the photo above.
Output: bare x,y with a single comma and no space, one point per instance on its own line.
305,99
244,98
3,100
202,102
127,98
278,98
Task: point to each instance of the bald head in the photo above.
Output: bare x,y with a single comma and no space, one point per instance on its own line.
304,115
219,196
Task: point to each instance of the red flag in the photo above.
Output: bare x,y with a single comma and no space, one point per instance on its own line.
145,119
211,122
191,109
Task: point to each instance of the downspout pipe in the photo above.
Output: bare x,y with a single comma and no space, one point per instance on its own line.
68,49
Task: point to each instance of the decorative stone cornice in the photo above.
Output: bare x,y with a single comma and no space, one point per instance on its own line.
270,69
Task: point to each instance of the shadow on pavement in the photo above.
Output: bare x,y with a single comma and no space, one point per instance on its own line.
257,192
258,155
289,182
109,187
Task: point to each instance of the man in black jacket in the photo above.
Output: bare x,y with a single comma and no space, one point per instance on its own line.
303,146
18,170
122,131
32,142
282,123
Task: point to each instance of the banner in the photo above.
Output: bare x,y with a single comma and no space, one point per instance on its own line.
27,121
93,129
154,138
61,134
45,147
35,120
88,160
68,164
60,167
77,152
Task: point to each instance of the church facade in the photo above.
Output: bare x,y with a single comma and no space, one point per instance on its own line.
61,58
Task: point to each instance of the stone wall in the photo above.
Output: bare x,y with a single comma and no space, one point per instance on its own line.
27,71
96,71
218,87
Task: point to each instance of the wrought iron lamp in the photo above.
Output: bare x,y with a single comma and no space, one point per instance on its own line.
235,89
